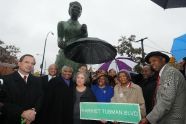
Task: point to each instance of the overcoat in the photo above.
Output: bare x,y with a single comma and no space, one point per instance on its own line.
58,102
170,98
20,96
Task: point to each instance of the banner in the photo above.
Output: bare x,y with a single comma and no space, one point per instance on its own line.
119,112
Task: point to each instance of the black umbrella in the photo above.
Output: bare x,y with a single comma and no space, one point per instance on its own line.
90,51
170,3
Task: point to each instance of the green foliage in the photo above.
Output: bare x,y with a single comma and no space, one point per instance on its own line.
8,53
125,47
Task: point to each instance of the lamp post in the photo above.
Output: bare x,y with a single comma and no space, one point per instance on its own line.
41,66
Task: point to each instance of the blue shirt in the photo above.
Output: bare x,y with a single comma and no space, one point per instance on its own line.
103,94
67,82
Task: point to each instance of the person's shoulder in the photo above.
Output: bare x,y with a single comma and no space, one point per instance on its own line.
133,85
44,77
88,91
34,77
170,69
57,81
11,75
117,85
109,87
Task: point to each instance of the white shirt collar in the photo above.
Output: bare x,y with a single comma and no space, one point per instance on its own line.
160,73
23,75
50,77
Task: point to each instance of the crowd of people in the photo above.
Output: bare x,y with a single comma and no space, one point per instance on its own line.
160,91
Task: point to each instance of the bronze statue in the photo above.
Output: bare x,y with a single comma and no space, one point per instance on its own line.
69,31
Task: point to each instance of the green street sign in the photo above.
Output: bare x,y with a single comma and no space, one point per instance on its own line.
119,112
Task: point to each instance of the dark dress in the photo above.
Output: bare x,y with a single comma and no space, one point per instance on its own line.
85,96
58,102
20,96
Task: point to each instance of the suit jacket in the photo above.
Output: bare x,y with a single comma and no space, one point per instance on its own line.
44,82
171,98
58,103
20,96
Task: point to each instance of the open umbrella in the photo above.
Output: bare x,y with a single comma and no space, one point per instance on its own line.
170,3
90,51
118,64
179,47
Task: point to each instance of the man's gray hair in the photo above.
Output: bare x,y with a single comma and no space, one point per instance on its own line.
65,67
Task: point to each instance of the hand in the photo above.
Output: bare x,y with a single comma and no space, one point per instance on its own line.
28,115
144,121
26,121
84,28
61,44
103,121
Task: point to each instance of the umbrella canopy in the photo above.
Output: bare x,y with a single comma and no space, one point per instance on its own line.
118,64
170,3
179,47
90,51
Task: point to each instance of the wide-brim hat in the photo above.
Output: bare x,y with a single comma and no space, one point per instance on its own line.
156,53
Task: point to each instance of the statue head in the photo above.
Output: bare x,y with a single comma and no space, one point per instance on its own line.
75,10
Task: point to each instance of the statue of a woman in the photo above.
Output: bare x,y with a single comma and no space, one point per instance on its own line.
69,31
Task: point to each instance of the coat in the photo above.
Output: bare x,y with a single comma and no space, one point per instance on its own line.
170,98
20,96
45,81
58,102
148,87
87,96
131,94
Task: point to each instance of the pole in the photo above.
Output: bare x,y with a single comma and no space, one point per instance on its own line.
44,52
142,52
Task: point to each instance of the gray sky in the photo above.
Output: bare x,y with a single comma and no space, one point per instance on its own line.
25,23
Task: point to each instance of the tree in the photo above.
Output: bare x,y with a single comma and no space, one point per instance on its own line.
8,53
125,47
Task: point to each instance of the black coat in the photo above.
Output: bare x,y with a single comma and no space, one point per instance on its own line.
20,96
58,102
45,82
87,96
2,97
148,87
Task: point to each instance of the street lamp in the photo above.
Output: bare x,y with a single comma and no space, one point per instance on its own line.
44,52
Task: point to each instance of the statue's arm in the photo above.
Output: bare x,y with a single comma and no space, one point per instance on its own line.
60,32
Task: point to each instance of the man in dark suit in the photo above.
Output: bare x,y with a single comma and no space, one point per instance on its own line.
23,93
52,72
58,99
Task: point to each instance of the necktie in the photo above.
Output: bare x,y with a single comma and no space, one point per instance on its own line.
25,77
155,92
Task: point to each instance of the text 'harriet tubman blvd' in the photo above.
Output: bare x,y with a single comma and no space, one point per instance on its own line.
120,112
